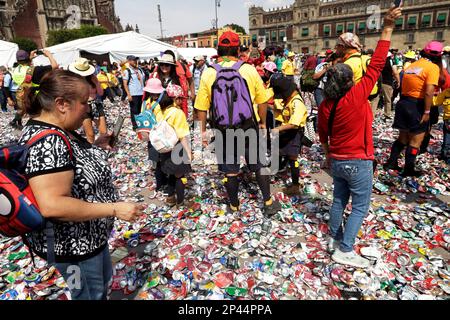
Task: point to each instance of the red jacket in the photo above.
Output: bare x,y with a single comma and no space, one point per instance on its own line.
352,136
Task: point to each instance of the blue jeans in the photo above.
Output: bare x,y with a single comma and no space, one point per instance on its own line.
89,279
351,178
318,96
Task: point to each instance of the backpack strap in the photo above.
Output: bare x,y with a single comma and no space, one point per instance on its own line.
237,65
47,133
217,67
332,116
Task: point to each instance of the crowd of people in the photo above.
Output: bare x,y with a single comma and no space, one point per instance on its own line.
243,89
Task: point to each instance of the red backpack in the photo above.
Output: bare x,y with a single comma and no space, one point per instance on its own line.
19,212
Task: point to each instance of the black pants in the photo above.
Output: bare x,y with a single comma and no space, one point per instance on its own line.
107,93
135,109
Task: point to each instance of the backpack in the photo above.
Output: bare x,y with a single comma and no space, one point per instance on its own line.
231,103
377,89
23,76
146,120
163,136
130,75
19,212
307,82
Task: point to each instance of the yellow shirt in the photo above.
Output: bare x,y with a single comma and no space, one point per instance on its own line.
359,64
112,79
258,92
103,79
177,119
288,68
443,99
294,113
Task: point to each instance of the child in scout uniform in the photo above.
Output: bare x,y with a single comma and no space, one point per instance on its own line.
169,109
290,117
443,99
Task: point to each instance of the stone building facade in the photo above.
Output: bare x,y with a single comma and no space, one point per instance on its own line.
34,18
314,25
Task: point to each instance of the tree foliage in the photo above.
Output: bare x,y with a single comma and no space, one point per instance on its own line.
65,35
237,28
25,44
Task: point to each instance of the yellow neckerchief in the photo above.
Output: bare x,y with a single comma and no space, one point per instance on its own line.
286,113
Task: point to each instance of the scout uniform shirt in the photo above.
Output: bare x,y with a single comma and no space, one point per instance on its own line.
443,99
177,119
294,112
258,92
288,68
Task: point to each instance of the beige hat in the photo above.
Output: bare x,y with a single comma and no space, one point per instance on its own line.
82,67
199,58
167,59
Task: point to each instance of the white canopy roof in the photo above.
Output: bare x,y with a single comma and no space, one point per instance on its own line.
118,46
8,52
190,53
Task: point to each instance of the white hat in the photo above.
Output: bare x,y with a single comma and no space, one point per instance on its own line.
82,67
199,58
167,59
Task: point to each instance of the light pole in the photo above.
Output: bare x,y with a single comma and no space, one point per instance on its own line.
216,6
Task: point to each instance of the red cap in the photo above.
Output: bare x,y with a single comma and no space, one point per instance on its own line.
329,51
232,37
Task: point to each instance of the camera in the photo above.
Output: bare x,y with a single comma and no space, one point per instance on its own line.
40,52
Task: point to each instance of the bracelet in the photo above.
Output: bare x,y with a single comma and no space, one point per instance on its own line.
427,112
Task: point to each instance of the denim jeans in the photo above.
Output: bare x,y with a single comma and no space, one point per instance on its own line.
351,178
94,275
319,96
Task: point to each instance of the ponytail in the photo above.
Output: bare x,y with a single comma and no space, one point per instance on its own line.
57,83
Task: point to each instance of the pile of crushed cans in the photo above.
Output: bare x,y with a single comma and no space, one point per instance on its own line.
206,253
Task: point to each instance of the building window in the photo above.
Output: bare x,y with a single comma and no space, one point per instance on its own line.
339,29
426,20
326,43
326,30
254,22
412,21
274,36
254,37
410,37
350,27
441,19
439,35
305,32
399,23
306,14
282,35
362,27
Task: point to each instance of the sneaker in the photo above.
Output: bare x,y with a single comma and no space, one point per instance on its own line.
411,173
171,201
333,245
292,190
350,259
389,166
272,210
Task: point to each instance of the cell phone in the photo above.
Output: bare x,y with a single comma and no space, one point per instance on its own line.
116,131
398,3
39,52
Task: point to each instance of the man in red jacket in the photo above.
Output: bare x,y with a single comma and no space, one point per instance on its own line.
345,129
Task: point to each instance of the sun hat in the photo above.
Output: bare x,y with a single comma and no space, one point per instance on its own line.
291,54
167,59
175,91
82,67
199,58
410,55
271,67
434,48
154,86
446,49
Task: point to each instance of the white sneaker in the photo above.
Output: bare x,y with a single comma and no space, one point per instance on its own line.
333,245
350,259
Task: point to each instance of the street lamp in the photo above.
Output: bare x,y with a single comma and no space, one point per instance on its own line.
216,6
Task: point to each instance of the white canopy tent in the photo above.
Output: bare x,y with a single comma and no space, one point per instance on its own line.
118,46
190,53
8,52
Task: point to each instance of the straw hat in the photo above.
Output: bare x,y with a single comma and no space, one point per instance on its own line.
167,59
82,67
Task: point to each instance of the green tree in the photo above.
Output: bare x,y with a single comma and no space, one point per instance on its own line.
25,44
65,35
237,28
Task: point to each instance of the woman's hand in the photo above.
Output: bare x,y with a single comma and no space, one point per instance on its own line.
129,212
425,118
390,17
104,141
